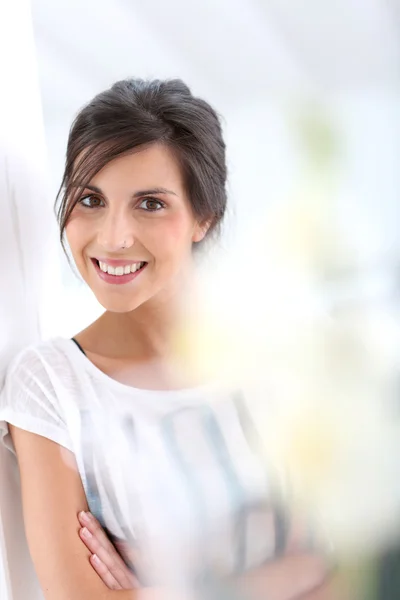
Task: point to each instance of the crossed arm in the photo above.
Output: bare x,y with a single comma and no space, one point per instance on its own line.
53,497
295,577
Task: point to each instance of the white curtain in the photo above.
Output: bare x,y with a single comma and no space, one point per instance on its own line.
27,232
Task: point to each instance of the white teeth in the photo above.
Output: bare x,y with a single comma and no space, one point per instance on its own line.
118,271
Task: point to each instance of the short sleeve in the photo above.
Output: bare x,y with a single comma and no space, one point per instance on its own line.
28,400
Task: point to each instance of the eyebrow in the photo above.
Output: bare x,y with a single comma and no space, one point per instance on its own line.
139,194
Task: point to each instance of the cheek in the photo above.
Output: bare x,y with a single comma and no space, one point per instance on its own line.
77,233
172,235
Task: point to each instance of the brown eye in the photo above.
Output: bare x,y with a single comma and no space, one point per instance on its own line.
151,204
91,201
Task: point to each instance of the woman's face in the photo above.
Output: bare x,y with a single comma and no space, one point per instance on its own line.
131,233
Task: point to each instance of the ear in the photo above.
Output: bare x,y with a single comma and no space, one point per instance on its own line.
199,231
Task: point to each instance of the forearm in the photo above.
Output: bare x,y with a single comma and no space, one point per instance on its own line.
335,588
151,593
291,578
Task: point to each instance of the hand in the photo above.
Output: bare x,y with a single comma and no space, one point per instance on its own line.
291,577
104,558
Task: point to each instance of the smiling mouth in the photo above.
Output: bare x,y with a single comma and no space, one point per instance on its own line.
118,274
120,270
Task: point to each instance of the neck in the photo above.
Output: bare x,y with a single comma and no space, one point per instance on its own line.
150,326
146,332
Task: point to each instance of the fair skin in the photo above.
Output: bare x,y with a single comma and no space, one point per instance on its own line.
136,210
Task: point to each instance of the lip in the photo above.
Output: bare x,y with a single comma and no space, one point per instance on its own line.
115,262
117,279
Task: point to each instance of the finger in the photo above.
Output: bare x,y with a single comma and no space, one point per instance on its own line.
91,523
110,558
104,574
92,542
94,536
96,540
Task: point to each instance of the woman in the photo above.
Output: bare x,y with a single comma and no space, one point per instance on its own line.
106,422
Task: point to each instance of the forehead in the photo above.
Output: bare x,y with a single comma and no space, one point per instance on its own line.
153,166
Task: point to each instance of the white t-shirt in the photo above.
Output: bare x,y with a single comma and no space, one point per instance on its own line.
169,474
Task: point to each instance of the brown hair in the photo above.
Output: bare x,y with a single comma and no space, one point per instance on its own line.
134,113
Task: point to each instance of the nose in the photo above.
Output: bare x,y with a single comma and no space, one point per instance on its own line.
115,232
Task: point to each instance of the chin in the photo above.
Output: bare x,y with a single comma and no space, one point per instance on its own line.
119,305
119,309
125,300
